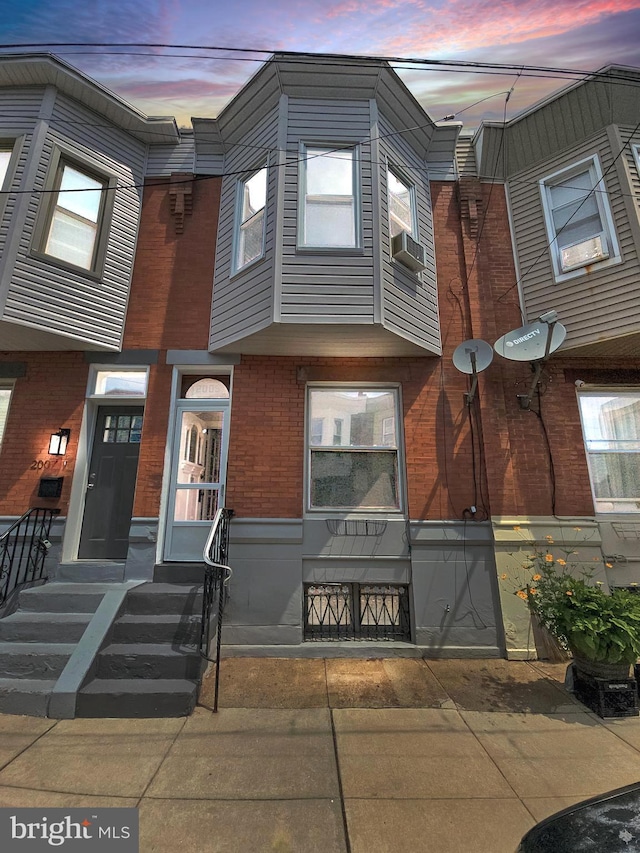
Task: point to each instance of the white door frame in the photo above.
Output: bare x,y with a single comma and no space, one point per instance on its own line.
173,550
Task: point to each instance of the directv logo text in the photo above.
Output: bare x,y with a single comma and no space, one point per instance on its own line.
30,830
523,338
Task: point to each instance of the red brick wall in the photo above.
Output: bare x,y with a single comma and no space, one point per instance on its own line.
169,308
50,396
266,453
517,457
170,302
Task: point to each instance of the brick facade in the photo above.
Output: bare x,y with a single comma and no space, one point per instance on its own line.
43,400
169,308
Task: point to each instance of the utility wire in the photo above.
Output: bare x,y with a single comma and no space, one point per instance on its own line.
329,59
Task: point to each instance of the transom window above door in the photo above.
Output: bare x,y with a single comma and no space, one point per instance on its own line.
118,382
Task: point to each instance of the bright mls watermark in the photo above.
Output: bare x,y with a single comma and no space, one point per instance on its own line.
79,830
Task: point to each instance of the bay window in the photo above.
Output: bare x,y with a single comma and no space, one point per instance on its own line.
250,231
401,196
75,222
329,216
355,464
5,159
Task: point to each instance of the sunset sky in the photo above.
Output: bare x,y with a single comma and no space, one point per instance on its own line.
580,34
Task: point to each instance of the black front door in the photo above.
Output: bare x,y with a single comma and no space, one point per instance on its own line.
111,485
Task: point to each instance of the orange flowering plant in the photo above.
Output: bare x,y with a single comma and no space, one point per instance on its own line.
594,624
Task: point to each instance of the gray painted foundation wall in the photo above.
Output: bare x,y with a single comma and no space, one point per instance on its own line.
450,567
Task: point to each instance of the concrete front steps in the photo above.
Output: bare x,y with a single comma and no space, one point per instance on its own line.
38,639
151,666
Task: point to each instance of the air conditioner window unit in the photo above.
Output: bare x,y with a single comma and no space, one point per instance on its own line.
408,251
582,254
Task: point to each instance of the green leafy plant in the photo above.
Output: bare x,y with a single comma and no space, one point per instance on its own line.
597,625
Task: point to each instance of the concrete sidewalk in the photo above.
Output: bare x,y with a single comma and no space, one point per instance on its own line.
335,756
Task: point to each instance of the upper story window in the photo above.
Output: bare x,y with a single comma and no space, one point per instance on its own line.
74,228
402,216
353,465
329,215
611,430
5,159
578,219
252,198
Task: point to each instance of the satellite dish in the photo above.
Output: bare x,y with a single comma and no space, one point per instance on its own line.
529,343
468,352
472,357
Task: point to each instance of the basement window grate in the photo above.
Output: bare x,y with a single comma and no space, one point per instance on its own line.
353,611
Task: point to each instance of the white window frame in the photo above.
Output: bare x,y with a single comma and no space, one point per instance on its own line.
356,195
6,147
13,144
636,156
240,222
607,235
5,385
116,368
59,161
633,503
397,447
410,185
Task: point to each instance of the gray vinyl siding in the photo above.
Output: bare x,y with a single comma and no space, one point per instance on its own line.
163,160
630,140
62,300
18,116
208,164
558,126
243,303
334,286
465,157
601,303
410,301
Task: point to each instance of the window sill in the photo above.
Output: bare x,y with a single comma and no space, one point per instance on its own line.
587,269
254,263
340,251
355,514
95,275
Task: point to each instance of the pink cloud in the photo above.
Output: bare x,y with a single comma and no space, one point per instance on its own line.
358,7
463,25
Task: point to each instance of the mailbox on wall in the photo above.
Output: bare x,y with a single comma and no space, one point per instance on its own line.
50,487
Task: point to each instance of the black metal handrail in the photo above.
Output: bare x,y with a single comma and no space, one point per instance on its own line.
217,575
23,548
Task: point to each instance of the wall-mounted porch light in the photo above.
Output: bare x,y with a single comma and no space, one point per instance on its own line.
58,442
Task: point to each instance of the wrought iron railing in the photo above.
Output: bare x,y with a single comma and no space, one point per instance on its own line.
217,575
353,611
23,548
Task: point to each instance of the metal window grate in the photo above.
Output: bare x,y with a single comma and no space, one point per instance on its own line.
352,611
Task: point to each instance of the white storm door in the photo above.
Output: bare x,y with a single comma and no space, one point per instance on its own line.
199,462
